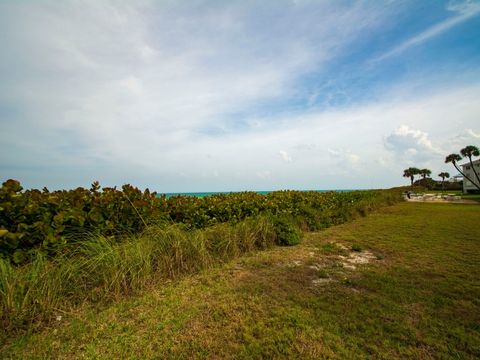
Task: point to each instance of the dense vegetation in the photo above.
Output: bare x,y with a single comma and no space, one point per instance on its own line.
43,220
34,220
65,248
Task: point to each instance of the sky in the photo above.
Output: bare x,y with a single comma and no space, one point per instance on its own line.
186,96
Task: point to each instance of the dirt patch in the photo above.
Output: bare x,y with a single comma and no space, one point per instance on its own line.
316,266
339,264
341,246
363,257
320,282
294,263
356,258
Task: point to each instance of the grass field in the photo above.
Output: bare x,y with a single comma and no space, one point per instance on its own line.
400,283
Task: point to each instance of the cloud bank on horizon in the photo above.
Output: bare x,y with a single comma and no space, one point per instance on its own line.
238,95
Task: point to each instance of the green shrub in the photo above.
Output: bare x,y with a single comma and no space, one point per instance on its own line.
45,221
287,233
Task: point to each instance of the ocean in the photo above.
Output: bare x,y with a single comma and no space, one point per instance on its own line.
203,194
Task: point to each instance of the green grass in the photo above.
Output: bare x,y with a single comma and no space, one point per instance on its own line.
418,297
475,197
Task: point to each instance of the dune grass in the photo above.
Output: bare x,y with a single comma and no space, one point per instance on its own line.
101,270
417,297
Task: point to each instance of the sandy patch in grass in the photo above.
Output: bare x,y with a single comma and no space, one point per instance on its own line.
295,263
363,257
320,282
341,263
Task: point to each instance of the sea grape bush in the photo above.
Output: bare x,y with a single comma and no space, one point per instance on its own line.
314,209
34,219
45,221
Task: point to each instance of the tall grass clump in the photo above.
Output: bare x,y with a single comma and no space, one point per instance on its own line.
108,269
101,269
30,293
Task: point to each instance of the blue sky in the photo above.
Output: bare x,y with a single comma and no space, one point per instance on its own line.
235,95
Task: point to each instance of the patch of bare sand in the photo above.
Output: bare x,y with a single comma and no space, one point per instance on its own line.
322,281
348,262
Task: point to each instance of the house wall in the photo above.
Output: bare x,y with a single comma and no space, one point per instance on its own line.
467,169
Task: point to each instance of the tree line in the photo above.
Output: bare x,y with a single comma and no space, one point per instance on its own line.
467,152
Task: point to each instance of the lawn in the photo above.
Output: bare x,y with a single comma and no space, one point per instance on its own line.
400,283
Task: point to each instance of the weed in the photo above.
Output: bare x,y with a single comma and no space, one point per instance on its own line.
329,247
356,247
323,274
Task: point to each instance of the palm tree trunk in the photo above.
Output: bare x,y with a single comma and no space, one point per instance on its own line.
465,176
443,184
473,168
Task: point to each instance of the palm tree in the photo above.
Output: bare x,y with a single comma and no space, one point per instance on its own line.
425,173
453,158
410,173
469,151
444,175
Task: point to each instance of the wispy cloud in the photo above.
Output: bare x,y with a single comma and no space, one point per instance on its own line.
473,134
211,96
464,11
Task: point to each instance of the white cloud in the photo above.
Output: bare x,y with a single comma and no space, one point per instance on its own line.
473,134
406,136
285,156
119,76
411,145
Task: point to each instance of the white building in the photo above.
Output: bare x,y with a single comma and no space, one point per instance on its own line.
468,171
456,178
